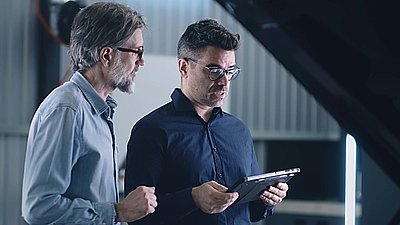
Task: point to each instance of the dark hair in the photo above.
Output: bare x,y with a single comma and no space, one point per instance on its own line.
203,33
100,25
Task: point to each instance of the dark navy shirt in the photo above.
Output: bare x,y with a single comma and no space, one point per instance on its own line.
173,149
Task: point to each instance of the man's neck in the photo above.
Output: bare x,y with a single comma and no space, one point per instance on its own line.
204,112
97,79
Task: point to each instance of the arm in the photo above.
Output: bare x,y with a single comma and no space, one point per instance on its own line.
144,166
53,149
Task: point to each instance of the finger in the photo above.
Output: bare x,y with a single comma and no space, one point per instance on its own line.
145,189
152,209
236,196
153,204
267,200
273,197
277,192
218,186
221,195
283,186
149,189
151,196
223,198
229,198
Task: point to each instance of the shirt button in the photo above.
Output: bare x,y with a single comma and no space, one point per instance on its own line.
214,149
220,174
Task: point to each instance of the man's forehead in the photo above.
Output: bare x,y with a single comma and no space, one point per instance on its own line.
136,38
224,58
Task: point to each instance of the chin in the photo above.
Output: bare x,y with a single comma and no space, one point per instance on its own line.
217,103
127,89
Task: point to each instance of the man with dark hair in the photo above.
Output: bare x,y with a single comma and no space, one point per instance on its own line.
71,165
190,149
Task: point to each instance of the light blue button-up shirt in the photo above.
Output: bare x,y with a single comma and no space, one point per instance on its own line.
71,158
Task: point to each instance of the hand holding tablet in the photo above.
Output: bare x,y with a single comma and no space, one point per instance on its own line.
249,188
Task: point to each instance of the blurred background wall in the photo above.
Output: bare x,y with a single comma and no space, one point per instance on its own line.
18,86
288,126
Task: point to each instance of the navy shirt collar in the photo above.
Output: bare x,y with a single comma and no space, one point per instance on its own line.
182,103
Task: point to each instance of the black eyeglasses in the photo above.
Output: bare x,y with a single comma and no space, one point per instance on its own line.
215,72
139,51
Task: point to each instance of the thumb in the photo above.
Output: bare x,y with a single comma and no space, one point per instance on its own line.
218,186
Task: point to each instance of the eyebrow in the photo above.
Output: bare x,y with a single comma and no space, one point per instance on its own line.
217,66
214,65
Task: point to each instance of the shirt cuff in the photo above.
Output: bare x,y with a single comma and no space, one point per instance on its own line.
184,199
106,212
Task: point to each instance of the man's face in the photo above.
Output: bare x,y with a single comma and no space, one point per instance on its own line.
123,71
201,90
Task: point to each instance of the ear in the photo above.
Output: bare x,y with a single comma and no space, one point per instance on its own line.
106,56
183,67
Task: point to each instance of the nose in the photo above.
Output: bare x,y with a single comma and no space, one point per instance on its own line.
224,80
140,62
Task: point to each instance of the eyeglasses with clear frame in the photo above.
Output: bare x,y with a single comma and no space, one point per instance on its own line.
215,72
139,51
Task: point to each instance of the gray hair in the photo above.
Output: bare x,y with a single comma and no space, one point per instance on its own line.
100,25
205,33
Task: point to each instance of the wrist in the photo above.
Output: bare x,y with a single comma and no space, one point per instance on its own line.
116,215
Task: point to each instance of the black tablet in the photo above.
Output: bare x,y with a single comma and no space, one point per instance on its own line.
249,188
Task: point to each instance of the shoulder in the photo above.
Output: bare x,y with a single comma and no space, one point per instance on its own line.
233,123
153,121
227,117
152,126
67,96
158,115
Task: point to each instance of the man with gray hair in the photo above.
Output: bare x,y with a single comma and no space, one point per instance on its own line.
71,174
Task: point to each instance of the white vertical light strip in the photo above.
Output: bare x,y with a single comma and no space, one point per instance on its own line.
350,185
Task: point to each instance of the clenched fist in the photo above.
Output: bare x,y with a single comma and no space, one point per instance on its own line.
137,204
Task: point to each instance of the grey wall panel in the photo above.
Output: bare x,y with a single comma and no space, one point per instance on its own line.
18,95
11,165
18,65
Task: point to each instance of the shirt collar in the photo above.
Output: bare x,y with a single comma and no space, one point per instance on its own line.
94,99
182,103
